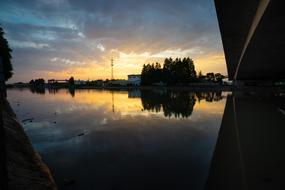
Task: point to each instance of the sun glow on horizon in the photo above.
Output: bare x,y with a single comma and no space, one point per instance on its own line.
132,63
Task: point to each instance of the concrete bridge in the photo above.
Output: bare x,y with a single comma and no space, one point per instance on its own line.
253,35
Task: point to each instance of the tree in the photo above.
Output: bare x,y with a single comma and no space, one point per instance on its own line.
178,71
32,82
71,81
219,77
167,67
5,54
210,77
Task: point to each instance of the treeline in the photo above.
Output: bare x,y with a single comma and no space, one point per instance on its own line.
211,77
5,54
37,83
175,72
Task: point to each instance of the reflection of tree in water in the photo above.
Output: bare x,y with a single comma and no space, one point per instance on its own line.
175,103
151,100
71,91
37,90
210,96
178,104
52,90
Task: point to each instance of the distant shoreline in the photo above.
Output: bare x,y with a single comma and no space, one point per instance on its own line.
215,87
192,87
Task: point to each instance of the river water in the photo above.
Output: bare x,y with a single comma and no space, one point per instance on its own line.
155,139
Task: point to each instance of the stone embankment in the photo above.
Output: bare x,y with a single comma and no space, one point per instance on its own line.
24,167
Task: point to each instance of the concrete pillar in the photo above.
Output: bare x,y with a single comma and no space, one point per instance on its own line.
3,92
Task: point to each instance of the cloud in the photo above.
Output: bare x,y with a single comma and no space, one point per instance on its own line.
101,47
67,61
93,31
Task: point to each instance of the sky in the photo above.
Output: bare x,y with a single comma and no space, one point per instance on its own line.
57,39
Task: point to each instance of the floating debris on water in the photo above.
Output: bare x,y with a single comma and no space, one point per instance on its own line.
81,134
27,120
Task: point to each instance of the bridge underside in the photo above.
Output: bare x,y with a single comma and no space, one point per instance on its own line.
253,35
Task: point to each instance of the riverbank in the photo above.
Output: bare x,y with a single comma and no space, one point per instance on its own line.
188,88
24,167
192,87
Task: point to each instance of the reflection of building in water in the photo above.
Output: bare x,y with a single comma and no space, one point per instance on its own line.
250,152
134,80
134,94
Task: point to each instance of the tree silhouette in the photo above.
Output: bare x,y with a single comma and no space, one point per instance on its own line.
5,54
178,71
210,77
219,77
151,73
71,81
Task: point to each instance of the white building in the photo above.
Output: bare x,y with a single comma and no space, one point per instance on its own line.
79,82
119,82
134,80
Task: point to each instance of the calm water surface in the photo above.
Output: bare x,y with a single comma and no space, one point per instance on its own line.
151,139
121,139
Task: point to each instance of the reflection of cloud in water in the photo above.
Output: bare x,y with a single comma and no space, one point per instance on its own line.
102,149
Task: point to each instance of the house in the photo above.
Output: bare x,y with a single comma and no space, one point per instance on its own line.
79,82
55,81
134,80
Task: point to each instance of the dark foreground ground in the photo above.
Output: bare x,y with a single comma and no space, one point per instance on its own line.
21,166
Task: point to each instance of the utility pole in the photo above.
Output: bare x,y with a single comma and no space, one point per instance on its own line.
112,65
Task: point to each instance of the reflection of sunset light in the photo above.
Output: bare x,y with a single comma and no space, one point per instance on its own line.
210,107
95,98
120,103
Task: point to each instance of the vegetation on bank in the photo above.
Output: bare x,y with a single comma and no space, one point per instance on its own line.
5,55
37,83
175,72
